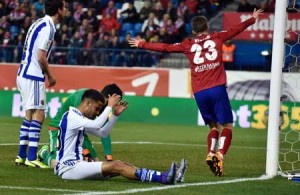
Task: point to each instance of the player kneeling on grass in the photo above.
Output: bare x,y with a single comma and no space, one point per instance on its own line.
89,152
77,121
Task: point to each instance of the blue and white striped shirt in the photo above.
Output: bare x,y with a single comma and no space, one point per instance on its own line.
39,36
73,125
70,139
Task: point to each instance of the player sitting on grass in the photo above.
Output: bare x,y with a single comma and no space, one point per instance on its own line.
89,151
77,121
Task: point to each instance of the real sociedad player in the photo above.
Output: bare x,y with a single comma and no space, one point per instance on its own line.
49,155
80,120
31,80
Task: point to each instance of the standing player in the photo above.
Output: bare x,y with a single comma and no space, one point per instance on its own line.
31,80
74,100
204,52
77,121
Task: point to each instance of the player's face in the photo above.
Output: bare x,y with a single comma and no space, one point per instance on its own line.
103,106
94,108
62,12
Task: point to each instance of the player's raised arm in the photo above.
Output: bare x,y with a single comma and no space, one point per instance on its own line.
256,13
161,47
134,42
113,100
106,129
120,108
237,29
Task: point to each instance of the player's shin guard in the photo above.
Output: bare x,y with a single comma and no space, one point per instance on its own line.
225,140
24,138
34,138
212,140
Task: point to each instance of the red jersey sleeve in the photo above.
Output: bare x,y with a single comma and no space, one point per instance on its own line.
163,47
229,34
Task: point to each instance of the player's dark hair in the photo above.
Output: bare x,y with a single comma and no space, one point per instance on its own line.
199,24
93,95
111,89
52,6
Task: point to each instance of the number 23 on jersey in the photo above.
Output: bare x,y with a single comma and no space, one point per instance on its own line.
200,56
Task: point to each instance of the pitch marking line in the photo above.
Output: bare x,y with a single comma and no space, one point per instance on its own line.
138,190
149,143
152,189
40,189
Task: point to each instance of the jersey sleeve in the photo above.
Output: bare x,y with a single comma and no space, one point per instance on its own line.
105,130
44,42
162,47
237,29
98,122
76,121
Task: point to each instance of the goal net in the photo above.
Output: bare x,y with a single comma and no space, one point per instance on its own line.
289,134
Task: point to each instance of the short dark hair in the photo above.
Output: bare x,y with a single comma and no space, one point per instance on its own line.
111,89
52,6
199,24
93,95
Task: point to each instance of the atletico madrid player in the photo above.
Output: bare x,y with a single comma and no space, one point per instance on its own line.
204,52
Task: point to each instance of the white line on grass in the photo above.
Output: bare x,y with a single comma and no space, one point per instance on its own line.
150,143
40,189
138,190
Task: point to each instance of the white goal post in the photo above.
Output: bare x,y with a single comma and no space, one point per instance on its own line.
275,88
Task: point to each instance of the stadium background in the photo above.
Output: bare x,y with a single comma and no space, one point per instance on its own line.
162,121
87,37
86,48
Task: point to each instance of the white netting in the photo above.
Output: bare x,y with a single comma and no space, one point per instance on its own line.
289,151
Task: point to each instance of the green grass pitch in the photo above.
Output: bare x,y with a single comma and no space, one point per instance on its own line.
152,146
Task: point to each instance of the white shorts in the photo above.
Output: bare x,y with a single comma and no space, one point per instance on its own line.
33,93
84,170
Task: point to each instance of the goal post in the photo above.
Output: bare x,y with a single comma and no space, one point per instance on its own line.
275,88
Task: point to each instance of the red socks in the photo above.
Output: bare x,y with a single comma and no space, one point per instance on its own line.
212,140
225,140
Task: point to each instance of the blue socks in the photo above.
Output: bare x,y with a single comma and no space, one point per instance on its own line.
34,138
24,139
146,175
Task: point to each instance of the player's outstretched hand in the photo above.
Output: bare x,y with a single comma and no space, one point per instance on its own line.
134,42
113,100
256,13
119,108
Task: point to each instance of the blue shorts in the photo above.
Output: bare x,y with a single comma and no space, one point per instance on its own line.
214,105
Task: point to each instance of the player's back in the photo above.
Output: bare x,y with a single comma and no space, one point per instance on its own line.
72,100
39,36
205,55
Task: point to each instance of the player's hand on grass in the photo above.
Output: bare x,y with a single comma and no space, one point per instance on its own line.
121,107
256,13
113,100
134,42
